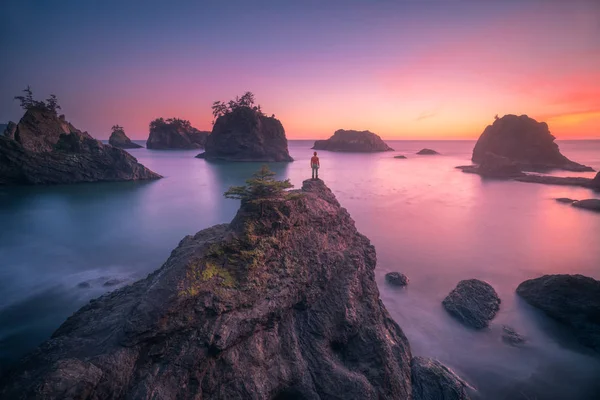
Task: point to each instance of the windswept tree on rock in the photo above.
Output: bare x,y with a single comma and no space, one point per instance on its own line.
220,108
116,128
261,188
27,101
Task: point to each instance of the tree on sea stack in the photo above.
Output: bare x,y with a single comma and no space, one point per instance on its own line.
29,103
261,188
116,128
220,108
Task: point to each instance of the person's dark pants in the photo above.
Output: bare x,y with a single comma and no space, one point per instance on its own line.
315,172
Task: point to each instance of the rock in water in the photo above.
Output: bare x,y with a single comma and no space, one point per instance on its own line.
588,204
282,301
119,139
396,279
473,302
400,157
565,200
427,152
510,336
175,134
572,300
246,135
431,380
46,149
526,142
353,141
494,166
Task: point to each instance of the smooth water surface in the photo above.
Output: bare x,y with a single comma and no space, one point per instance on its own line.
426,219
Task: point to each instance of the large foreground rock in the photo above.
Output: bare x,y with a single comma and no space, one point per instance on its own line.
279,304
572,300
473,302
524,141
175,134
46,149
119,139
246,135
432,380
353,141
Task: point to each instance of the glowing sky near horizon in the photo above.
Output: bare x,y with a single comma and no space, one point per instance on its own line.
402,69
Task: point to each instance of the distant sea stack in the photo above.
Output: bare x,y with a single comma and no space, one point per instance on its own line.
524,141
119,139
243,133
266,307
44,148
175,134
353,142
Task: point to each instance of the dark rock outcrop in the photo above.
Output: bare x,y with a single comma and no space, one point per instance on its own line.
55,152
353,141
396,279
9,130
431,380
400,157
589,183
572,300
427,152
119,139
511,337
565,200
494,166
526,142
175,134
588,204
473,302
280,303
246,135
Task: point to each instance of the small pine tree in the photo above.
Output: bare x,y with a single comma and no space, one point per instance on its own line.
27,101
116,128
52,103
260,188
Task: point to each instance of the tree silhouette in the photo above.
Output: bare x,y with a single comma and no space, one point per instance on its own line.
116,128
220,108
27,101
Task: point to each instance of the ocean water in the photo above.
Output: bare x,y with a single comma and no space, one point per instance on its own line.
426,219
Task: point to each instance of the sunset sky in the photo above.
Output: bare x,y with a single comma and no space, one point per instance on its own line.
402,69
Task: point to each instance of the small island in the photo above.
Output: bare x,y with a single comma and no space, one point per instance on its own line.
242,132
524,141
119,139
44,148
353,142
427,152
175,134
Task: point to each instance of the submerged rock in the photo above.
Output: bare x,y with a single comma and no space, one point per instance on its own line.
84,285
510,336
572,300
494,166
427,152
112,282
175,134
588,204
247,135
46,149
396,279
473,302
431,380
524,141
353,141
280,303
565,200
563,181
400,157
119,139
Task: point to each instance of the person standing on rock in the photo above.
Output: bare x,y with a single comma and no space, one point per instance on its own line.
314,164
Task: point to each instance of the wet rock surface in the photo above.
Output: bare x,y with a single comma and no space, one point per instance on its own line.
353,142
572,300
473,302
396,279
46,149
512,337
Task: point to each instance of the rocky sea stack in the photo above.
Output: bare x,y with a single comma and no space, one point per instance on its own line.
353,142
572,300
279,304
524,141
175,134
119,139
244,134
44,148
494,166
